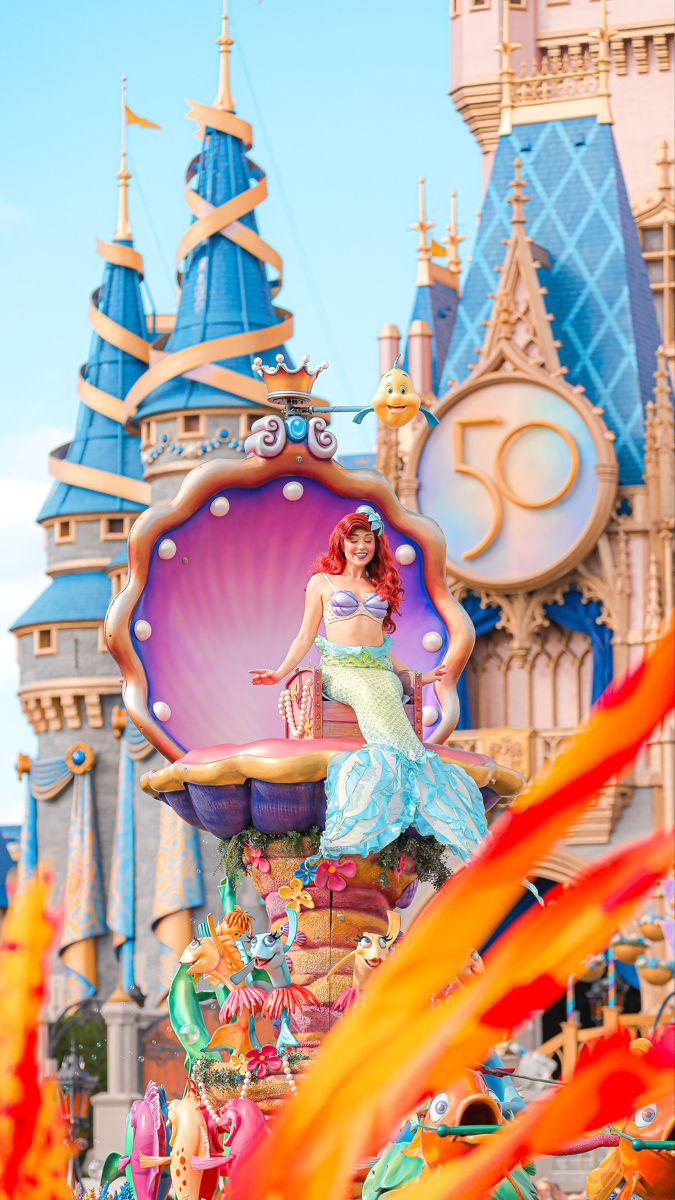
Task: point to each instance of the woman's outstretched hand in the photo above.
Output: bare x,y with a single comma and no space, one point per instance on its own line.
434,676
264,675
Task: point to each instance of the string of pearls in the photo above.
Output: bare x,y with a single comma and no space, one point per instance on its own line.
285,706
245,1085
192,449
204,1100
289,1074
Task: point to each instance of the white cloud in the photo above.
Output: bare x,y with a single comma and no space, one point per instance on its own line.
22,491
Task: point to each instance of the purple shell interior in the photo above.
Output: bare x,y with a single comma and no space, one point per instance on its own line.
232,598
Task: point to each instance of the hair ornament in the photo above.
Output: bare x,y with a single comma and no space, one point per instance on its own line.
374,519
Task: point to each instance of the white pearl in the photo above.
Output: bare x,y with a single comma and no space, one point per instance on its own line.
142,629
220,506
293,491
191,451
161,710
432,641
430,714
167,548
405,554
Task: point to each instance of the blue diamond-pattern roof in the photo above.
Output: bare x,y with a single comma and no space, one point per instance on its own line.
599,293
98,441
84,596
436,304
225,289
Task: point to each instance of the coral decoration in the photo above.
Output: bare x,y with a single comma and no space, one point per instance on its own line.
334,875
33,1138
294,895
348,1104
261,1062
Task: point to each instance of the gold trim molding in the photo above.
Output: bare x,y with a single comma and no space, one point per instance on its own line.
52,705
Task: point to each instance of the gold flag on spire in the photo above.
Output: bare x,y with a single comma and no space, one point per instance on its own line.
132,118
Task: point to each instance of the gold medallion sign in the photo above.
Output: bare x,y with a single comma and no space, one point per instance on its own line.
521,477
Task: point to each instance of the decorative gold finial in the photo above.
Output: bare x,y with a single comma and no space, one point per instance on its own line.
452,240
422,226
224,98
603,61
664,164
123,228
518,200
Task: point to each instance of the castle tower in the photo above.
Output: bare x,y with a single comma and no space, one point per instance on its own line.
551,375
557,37
69,688
199,396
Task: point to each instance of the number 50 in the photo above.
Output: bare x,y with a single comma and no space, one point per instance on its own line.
497,487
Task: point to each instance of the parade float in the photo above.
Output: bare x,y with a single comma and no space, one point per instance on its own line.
333,829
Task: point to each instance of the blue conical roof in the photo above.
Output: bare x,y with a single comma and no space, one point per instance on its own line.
598,291
100,442
225,287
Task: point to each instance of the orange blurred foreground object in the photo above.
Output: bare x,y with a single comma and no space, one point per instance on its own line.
33,1138
378,1063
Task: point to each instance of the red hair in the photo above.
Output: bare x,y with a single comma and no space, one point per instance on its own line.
382,569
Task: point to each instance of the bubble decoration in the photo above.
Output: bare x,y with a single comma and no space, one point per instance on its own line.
142,630
432,641
293,490
167,548
220,506
405,554
161,710
430,715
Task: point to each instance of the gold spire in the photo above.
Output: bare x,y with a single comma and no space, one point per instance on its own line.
224,98
452,239
506,72
518,199
422,226
664,164
123,228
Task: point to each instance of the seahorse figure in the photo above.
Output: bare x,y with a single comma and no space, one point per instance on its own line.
277,997
189,1137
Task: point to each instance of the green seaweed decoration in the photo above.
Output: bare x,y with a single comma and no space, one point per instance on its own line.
427,854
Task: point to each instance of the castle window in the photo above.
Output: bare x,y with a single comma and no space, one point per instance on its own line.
478,5
455,8
44,641
114,529
658,251
192,425
64,531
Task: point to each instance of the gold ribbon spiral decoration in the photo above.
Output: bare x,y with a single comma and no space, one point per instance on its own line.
105,403
198,362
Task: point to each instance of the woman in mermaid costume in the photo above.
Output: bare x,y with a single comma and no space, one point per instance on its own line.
373,794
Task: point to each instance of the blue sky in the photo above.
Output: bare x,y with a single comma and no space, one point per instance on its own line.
349,106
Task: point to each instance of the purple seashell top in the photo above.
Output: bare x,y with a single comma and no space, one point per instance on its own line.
342,605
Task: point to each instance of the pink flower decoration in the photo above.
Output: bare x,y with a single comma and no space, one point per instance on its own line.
258,859
334,875
261,1062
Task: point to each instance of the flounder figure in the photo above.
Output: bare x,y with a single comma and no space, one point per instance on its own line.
396,402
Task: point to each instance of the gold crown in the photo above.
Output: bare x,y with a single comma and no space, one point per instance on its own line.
283,381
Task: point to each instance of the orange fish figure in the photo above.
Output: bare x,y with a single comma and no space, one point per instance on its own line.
216,954
189,1137
466,1101
639,1170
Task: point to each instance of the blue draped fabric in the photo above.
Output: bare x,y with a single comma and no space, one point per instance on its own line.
484,619
121,897
28,845
583,617
83,899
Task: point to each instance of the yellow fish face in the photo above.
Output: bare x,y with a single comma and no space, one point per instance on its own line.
396,402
